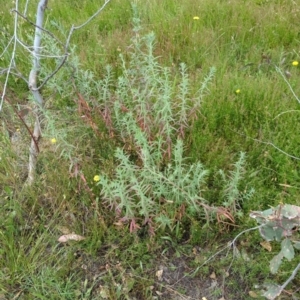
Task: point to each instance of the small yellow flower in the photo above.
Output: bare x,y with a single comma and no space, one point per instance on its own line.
196,18
237,91
96,178
53,141
295,63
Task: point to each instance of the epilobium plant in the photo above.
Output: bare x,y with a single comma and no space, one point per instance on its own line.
232,195
149,109
148,192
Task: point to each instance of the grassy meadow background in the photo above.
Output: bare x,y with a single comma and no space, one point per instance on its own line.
250,107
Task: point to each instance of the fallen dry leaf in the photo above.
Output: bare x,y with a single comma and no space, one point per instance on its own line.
213,275
159,274
226,273
252,294
70,237
266,245
103,292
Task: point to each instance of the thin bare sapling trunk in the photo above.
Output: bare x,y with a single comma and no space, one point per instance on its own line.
33,76
38,99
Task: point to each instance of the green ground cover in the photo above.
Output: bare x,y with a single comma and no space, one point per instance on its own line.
156,243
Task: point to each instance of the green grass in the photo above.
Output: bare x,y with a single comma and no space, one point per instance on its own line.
244,42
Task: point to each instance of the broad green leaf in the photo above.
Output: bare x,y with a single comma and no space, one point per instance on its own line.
272,291
290,211
270,233
287,249
297,245
288,224
276,262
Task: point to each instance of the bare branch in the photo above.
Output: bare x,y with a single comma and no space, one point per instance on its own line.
291,277
39,27
228,246
92,17
277,148
24,123
26,8
17,73
67,44
65,56
287,82
8,44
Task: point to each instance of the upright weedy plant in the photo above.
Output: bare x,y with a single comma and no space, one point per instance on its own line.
231,193
149,109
